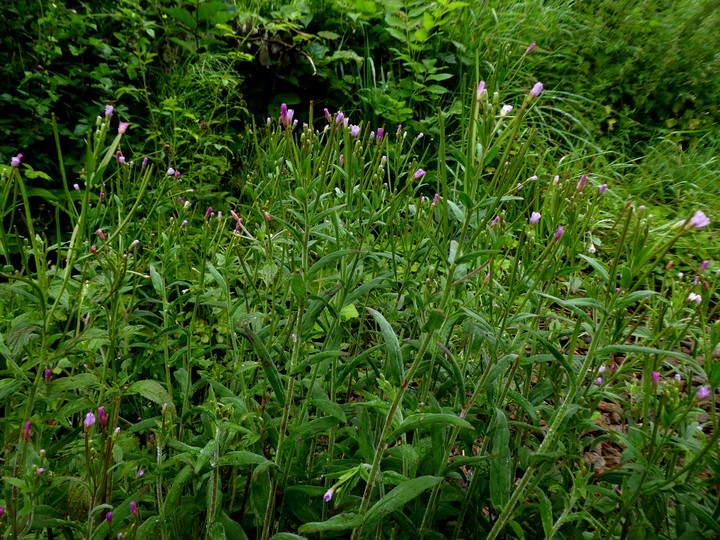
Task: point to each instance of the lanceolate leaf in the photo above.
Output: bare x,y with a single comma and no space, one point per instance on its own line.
393,355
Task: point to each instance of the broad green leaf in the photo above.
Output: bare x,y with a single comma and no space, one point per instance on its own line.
421,421
151,390
500,465
239,458
393,355
81,381
271,371
397,498
340,522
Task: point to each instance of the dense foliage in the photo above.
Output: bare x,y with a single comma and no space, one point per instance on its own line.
345,268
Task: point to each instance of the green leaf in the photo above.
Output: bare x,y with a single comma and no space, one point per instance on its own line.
287,536
397,498
153,391
500,467
421,421
393,359
173,496
239,458
157,282
271,371
182,15
340,522
81,381
217,276
545,514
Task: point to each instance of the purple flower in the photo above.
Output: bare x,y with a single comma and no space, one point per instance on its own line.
704,266
121,160
678,377
89,420
536,90
133,505
481,93
134,243
328,495
27,430
655,377
418,174
420,136
380,133
598,381
559,232
581,183
41,470
505,110
534,218
533,178
102,415
339,117
144,161
436,198
399,129
48,375
342,160
184,223
286,115
140,474
15,162
601,369
354,131
601,189
703,392
171,172
698,220
108,517
76,187
328,116
530,48
208,212
695,298
109,109
122,128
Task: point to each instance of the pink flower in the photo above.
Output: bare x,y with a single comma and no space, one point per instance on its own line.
436,198
101,234
339,117
536,90
122,128
89,420
704,266
328,495
109,109
380,133
354,131
530,48
342,160
418,174
102,415
505,110
48,375
655,377
171,172
534,218
133,504
703,392
27,431
108,517
581,183
399,129
328,116
598,381
698,220
15,162
286,115
481,92
559,232
140,473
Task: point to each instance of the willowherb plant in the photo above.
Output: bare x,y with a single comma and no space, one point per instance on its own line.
379,334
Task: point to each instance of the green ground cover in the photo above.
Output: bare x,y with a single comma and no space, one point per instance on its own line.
359,269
